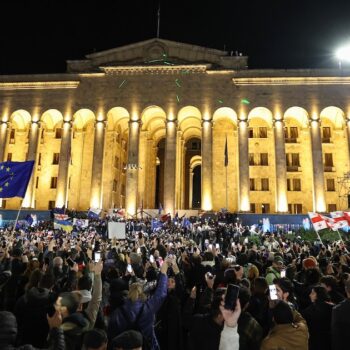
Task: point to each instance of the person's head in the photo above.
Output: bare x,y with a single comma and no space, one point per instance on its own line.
171,283
8,328
282,313
278,263
215,311
309,263
68,303
329,282
260,285
129,340
47,281
136,292
284,288
95,339
57,262
244,297
312,276
84,283
319,294
34,279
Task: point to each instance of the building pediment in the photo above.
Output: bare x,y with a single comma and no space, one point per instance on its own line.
157,52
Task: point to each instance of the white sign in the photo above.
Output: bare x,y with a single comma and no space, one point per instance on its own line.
116,230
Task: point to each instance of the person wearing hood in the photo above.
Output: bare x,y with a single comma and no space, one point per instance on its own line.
8,333
274,271
75,322
34,330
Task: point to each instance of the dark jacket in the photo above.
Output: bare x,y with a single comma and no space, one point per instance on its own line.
74,326
33,330
250,332
8,334
318,317
341,325
118,323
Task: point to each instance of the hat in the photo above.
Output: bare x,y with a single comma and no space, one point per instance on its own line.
127,340
309,263
278,260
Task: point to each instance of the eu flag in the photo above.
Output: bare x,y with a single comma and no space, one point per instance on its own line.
14,178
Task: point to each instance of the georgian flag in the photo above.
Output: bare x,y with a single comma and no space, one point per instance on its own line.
318,221
340,220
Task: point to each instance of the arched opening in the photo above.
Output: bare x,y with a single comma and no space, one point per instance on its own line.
196,187
192,178
159,188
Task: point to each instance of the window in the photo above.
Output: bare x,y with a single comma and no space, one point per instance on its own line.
51,205
265,208
12,136
56,158
122,192
264,160
291,134
69,180
332,207
37,182
3,205
296,208
9,157
251,159
289,187
252,184
326,134
195,145
330,185
252,207
264,184
292,161
263,132
295,159
39,159
251,133
115,185
58,133
53,183
296,185
42,136
328,159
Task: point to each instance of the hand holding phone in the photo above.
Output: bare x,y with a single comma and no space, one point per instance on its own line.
151,259
97,256
231,296
283,273
273,292
129,268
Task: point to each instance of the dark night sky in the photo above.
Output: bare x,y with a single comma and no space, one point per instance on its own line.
38,36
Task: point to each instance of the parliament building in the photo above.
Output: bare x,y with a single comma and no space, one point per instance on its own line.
184,126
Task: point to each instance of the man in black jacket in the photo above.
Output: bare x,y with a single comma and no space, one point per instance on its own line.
341,322
8,332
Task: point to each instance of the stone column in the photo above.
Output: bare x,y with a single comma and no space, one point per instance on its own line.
34,135
243,143
348,136
190,191
132,167
207,164
4,130
169,167
63,165
97,165
281,171
317,166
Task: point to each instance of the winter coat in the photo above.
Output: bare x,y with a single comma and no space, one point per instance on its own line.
271,274
33,330
118,323
341,326
318,317
8,334
291,336
74,326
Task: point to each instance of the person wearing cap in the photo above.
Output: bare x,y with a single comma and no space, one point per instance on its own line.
128,340
274,271
95,339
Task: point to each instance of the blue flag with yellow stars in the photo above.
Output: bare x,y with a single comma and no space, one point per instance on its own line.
14,178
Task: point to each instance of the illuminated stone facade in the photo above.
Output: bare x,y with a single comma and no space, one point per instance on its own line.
127,128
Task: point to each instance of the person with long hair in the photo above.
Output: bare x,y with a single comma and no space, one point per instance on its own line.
318,317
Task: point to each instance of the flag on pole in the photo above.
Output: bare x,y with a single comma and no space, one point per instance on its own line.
339,220
94,213
14,178
226,153
160,209
64,225
318,222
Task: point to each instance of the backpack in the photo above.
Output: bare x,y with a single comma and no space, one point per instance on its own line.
146,343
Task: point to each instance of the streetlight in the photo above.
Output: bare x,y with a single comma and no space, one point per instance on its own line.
343,54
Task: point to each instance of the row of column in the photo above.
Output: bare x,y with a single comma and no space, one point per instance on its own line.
64,161
243,170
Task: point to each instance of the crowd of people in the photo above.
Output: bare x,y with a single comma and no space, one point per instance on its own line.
170,288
